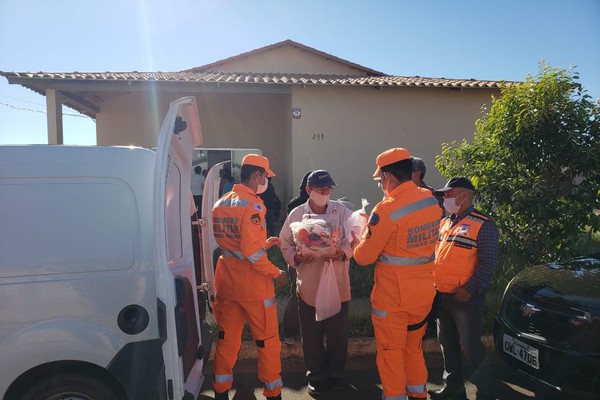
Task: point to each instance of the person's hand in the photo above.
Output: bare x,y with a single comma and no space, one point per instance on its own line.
338,254
272,241
304,258
462,295
282,278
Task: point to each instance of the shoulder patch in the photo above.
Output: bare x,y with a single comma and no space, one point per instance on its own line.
255,219
464,229
374,219
259,207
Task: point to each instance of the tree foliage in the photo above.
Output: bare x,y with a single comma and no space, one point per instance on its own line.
535,162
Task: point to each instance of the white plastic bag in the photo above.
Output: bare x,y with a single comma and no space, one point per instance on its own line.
327,299
358,220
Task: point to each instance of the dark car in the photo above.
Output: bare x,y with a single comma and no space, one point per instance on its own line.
548,326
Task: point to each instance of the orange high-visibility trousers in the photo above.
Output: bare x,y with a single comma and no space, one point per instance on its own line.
261,317
400,360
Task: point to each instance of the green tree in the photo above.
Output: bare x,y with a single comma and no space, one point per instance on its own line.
535,162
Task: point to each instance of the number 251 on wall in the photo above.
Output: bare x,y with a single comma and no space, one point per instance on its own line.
318,136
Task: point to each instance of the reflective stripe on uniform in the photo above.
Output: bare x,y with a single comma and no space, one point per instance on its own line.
401,397
275,384
379,313
232,203
223,378
269,302
233,254
476,218
415,388
412,207
464,240
238,254
387,259
256,256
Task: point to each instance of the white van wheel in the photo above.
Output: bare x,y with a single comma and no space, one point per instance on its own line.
70,387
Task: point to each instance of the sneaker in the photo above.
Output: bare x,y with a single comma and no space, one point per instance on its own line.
315,387
290,341
336,384
222,396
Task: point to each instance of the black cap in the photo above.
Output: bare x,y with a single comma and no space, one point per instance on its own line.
320,178
457,182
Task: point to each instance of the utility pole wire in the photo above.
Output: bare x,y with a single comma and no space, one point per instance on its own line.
41,111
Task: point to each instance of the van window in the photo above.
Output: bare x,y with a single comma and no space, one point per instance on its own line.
66,225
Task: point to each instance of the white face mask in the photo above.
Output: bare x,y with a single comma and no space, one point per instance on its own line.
319,199
380,185
262,187
451,206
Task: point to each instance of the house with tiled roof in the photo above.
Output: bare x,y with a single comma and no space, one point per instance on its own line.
303,108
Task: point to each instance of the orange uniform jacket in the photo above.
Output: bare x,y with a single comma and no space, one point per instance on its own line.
244,273
456,253
401,238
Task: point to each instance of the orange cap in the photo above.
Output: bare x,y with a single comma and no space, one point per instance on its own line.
258,161
389,157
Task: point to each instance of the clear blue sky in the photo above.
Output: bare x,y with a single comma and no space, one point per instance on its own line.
496,40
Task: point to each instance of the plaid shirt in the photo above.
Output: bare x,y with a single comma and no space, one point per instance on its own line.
487,252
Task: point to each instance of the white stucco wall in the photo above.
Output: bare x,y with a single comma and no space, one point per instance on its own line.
343,129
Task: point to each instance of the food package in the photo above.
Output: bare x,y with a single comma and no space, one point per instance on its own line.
316,237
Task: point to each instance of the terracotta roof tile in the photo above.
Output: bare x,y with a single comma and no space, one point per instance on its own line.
259,78
89,102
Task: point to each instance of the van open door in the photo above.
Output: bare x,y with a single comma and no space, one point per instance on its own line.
210,249
175,275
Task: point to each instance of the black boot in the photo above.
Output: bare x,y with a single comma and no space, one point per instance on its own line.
446,394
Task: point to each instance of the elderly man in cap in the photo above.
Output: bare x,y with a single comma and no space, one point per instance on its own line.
322,363
466,259
244,281
400,239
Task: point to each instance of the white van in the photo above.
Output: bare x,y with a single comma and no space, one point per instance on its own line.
98,290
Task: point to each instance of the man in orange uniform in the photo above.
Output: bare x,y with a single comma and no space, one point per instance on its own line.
243,281
400,238
466,260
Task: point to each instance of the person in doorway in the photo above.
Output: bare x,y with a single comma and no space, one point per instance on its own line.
226,182
243,281
323,363
291,322
400,239
198,179
466,260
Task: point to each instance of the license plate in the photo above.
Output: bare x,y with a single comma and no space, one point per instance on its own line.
521,351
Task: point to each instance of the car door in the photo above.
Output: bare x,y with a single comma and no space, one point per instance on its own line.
176,281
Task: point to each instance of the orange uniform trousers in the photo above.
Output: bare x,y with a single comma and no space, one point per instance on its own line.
399,331
261,317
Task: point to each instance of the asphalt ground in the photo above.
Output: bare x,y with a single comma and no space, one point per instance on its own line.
361,380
